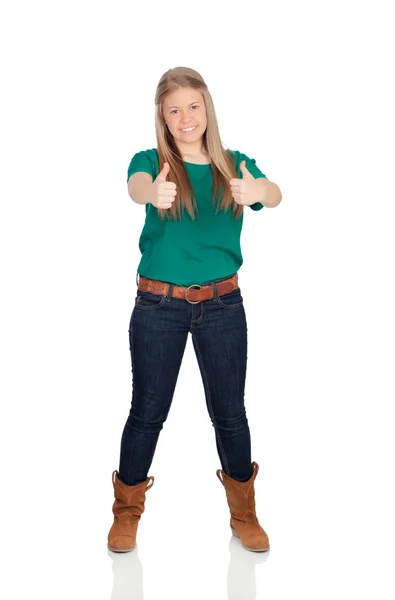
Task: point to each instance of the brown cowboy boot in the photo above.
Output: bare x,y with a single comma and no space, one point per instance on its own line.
127,508
243,520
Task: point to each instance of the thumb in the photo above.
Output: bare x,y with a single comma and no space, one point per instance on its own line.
245,171
164,172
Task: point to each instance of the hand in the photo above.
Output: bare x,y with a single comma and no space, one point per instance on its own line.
164,192
244,191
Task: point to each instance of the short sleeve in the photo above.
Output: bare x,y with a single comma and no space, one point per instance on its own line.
141,161
256,172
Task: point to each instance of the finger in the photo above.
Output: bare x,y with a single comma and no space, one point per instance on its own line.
239,189
164,172
168,193
245,171
166,199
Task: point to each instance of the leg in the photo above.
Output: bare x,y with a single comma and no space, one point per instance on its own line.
157,337
220,341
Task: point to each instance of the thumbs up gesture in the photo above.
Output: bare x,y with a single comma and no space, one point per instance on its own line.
164,192
245,191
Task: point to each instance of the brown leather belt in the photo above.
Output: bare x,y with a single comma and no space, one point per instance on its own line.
190,293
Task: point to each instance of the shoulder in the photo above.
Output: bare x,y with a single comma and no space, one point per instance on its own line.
146,161
234,155
250,163
151,155
237,156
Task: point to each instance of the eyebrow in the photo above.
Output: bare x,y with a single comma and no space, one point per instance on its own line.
197,101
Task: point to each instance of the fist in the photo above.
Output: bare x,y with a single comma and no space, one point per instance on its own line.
164,192
244,190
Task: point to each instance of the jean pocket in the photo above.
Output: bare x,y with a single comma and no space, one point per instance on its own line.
232,300
148,301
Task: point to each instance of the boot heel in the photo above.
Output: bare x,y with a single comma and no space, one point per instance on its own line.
234,532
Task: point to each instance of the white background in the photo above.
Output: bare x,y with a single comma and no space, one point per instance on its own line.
305,89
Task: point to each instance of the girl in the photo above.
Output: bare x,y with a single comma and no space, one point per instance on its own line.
194,193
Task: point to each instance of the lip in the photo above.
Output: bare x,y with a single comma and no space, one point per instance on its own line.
188,128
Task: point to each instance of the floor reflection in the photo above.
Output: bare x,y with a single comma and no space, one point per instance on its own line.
127,571
240,585
241,580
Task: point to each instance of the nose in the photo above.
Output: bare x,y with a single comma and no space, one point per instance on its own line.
185,121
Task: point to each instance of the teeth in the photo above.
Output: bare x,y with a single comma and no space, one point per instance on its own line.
189,129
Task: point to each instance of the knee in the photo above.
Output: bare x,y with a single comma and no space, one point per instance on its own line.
232,423
145,422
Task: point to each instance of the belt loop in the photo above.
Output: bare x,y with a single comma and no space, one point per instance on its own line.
215,290
168,297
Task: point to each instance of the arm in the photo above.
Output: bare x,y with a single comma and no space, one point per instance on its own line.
140,187
269,193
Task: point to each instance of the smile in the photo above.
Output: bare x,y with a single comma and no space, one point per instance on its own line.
189,129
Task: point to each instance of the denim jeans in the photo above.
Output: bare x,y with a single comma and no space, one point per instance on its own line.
158,333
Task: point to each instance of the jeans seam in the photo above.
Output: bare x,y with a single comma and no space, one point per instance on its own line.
205,379
133,373
200,317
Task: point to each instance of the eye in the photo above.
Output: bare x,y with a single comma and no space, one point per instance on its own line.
175,110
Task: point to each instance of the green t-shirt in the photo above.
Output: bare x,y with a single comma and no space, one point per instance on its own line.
186,251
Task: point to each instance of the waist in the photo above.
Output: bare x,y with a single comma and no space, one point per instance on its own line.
193,294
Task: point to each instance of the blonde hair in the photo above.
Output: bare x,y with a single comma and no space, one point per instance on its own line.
223,168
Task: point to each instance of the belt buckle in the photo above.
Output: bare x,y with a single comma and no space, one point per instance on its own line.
186,293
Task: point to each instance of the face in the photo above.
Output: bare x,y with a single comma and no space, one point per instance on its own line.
183,109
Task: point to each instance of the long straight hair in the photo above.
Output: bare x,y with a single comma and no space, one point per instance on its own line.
222,165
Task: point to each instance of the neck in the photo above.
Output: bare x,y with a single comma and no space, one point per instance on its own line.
194,150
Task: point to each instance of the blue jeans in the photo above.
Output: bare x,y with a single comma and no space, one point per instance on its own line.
158,333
